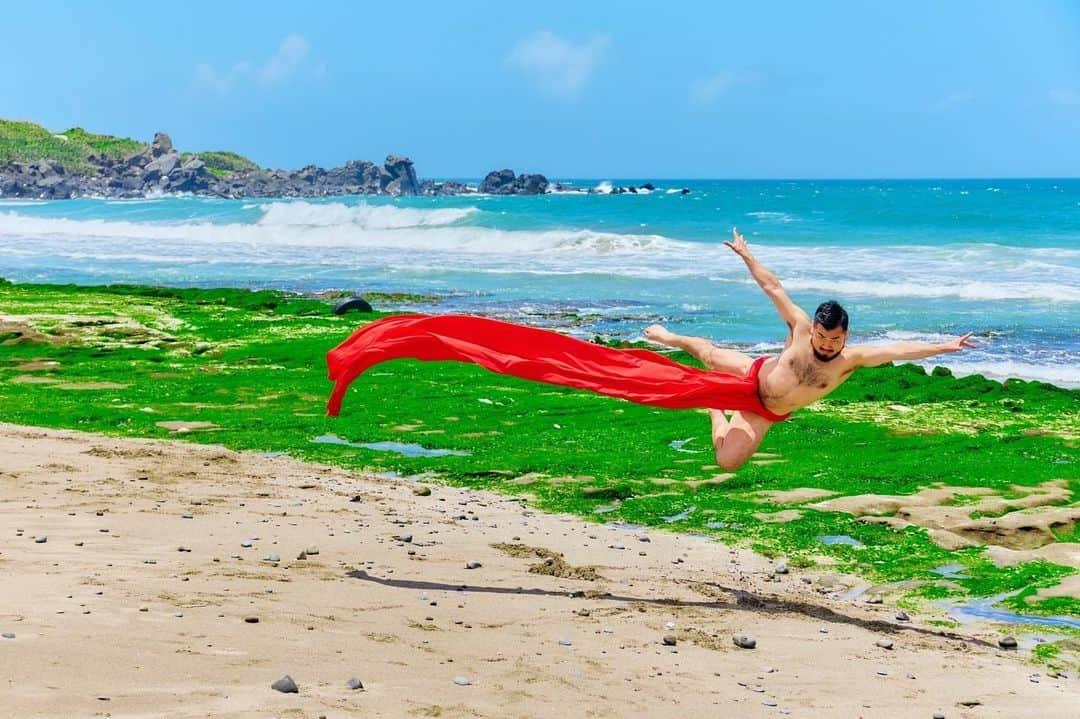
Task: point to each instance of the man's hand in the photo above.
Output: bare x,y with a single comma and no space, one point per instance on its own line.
738,244
958,344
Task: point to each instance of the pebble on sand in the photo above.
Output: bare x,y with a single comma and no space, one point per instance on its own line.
1007,643
884,643
473,565
462,681
669,640
354,683
286,685
743,641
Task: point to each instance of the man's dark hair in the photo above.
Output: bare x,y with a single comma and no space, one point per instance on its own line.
831,315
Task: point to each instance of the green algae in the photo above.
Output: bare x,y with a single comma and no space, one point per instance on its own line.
131,360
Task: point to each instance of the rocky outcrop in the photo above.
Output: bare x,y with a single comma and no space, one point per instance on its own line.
160,169
504,182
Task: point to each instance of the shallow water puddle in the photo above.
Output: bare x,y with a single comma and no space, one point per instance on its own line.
951,571
680,516
840,539
409,450
983,610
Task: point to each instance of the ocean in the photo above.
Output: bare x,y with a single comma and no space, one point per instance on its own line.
917,260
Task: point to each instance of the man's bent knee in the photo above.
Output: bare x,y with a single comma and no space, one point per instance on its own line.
730,461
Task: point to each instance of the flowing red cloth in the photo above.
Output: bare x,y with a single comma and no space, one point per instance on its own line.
544,356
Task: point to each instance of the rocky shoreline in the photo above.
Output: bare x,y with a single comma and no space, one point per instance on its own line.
159,169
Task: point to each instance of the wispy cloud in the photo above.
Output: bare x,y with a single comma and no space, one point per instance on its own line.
709,90
953,99
289,60
558,67
1065,96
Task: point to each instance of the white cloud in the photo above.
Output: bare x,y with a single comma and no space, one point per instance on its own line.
284,63
557,66
289,60
955,99
708,90
1065,96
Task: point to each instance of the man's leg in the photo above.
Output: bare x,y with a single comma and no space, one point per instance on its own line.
735,439
713,357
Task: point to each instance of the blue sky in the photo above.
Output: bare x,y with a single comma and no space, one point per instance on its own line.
570,89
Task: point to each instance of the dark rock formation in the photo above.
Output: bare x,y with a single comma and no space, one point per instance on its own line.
160,169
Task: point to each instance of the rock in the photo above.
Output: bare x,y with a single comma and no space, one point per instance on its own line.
939,715
251,620
8,635
422,491
902,617
884,643
498,182
359,304
311,551
354,683
302,555
565,642
669,640
781,568
272,558
401,177
407,538
245,543
285,685
40,539
1007,643
743,641
161,145
462,681
473,565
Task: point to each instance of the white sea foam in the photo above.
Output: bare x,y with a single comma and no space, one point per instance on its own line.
773,216
604,188
965,290
1062,375
373,217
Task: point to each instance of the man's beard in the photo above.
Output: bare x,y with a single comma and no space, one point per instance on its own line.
824,358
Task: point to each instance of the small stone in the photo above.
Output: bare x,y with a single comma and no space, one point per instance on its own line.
769,702
187,516
272,558
939,715
882,673
407,538
473,565
969,702
565,642
245,543
462,681
743,641
302,555
285,685
102,698
423,491
8,635
874,599
902,617
669,640
781,568
354,683
884,643
144,609
311,551
251,620
1007,643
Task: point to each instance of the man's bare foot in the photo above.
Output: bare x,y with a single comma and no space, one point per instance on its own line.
657,333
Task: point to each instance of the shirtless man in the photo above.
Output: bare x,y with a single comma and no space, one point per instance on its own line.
815,361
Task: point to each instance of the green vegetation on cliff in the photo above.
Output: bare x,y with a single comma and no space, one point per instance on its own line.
22,141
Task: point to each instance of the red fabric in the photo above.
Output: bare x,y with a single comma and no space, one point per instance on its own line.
544,356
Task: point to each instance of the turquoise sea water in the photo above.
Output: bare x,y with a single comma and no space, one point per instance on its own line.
919,260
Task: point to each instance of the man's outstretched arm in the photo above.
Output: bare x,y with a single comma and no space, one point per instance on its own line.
866,356
791,313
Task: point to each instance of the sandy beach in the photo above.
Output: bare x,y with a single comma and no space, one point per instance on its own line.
128,592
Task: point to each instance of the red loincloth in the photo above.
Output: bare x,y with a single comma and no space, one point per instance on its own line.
542,355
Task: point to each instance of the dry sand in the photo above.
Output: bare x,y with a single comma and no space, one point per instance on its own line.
128,599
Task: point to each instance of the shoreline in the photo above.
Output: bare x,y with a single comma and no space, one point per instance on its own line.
109,586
